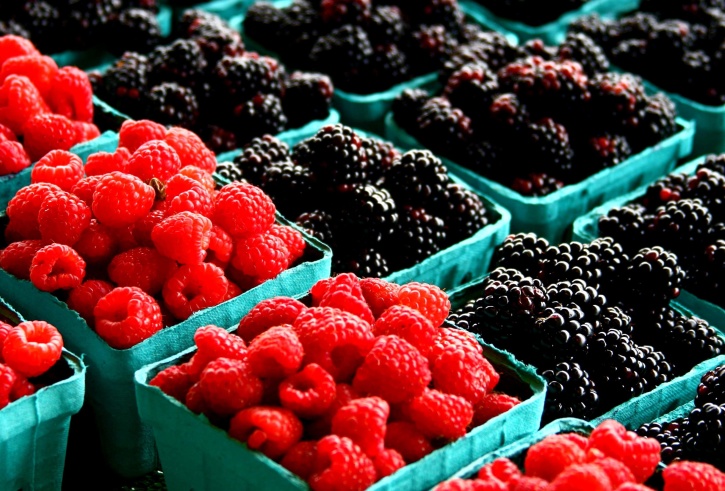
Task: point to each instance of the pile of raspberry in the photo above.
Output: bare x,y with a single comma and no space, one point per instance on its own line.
28,353
535,117
609,459
531,12
365,46
42,107
139,239
202,78
676,45
347,390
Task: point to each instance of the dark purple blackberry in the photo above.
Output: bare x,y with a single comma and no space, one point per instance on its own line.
486,158
618,99
706,272
338,12
669,436
521,251
656,123
472,89
134,30
690,341
418,178
182,62
85,21
536,184
125,83
368,215
708,186
385,25
626,225
429,47
537,47
306,97
42,23
639,25
406,107
669,39
665,190
509,116
560,333
320,224
714,162
570,393
491,48
602,151
290,186
388,67
711,388
345,55
260,115
464,213
581,48
216,39
381,155
443,12
218,138
630,55
569,261
191,18
616,318
653,278
577,292
258,155
600,30
263,23
658,369
549,148
704,435
612,261
418,236
335,155
301,28
445,129
364,262
506,274
681,226
236,79
229,171
172,104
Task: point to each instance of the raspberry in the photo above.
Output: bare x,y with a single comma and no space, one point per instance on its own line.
63,217
121,199
17,257
260,257
292,238
363,421
97,244
232,291
491,405
271,430
19,102
57,267
276,353
552,455
630,486
195,199
191,149
7,380
45,132
183,237
300,458
221,247
104,162
214,342
617,471
459,484
581,476
85,131
340,464
71,94
195,400
21,388
408,324
126,316
174,381
85,188
58,167
83,298
336,340
194,287
379,294
23,209
5,328
200,176
387,462
268,313
640,454
344,293
440,415
39,69
13,157
319,289
501,469
228,386
393,370
308,393
123,236
32,348
405,438
429,300
133,134
6,134
693,476
526,483
243,210
154,159
12,46
142,267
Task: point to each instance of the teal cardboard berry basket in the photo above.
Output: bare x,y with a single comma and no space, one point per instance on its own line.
551,216
197,455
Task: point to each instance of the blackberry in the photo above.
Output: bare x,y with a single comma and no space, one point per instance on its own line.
491,48
85,21
288,185
521,251
506,274
42,24
537,47
260,115
335,155
639,25
618,99
669,39
704,435
10,26
509,114
134,30
218,138
603,151
172,104
690,341
406,107
570,393
320,224
472,88
191,18
388,67
577,292
368,214
239,78
258,155
182,62
669,436
301,28
714,162
263,22
681,226
443,12
216,39
345,55
486,158
630,54
418,178
306,97
430,47
419,235
711,388
364,262
569,261
338,12
125,83
705,273
626,225
536,184
581,48
381,155
464,213
612,262
560,334
658,369
616,318
549,147
229,171
444,128
600,30
708,187
653,277
665,190
385,25
656,123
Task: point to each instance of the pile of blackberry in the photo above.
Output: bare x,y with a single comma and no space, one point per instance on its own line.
535,118
594,320
677,45
60,25
531,12
365,46
685,214
700,435
203,79
379,210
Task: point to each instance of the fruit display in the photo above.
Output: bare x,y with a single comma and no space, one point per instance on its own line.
597,320
203,79
140,239
380,210
609,458
531,12
345,386
535,117
697,435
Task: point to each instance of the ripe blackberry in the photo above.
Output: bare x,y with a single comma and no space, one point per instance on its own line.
418,236
218,138
216,39
653,277
172,104
345,55
616,318
691,341
521,251
258,155
364,262
182,61
335,155
656,123
385,25
236,79
560,333
263,22
618,99
537,47
536,184
506,274
681,226
658,369
705,273
669,436
190,19
620,367
704,435
230,172
446,13
301,28
711,388
472,87
509,114
493,49
577,292
486,158
600,30
639,25
381,155
306,97
665,190
463,213
418,178
626,225
708,186
388,67
570,393
612,262
260,115
603,151
368,214
581,48
406,108
125,83
42,24
669,39
338,12
714,162
444,128
430,47
549,147
288,185
570,261
85,21
320,224
630,54
134,30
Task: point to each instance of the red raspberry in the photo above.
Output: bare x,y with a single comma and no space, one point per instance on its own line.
440,415
221,247
97,244
630,486
13,157
191,149
127,316
429,300
581,476
71,94
340,464
501,469
63,217
194,287
547,458
526,483
85,188
58,167
308,393
20,101
104,162
271,312
203,178
23,209
242,209
319,289
133,134
38,68
7,380
83,298
387,462
336,340
154,158
380,294
32,348
292,238
492,404
693,476
142,267
640,454
458,484
228,386
393,370
214,342
300,458
617,471
344,293
271,430
173,381
17,257
5,328
57,267
408,324
195,400
124,237
276,353
363,421
195,199
405,438
259,258
12,46
183,237
21,388
232,291
85,131
46,132
143,228
121,199
6,134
